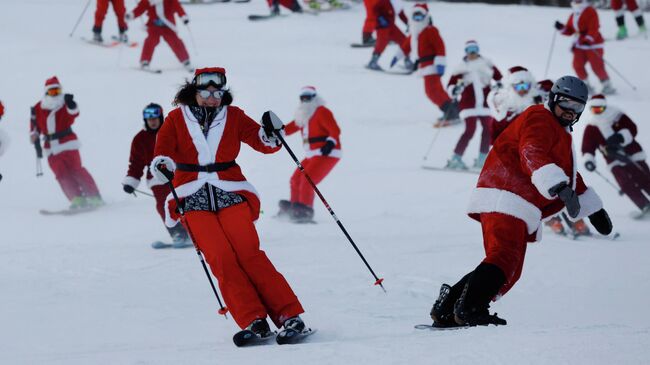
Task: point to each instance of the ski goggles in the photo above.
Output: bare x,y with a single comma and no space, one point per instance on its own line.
567,104
598,109
471,49
149,113
522,86
418,17
217,94
53,91
307,97
205,79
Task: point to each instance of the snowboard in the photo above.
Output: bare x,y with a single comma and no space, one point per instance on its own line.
249,338
431,327
67,211
257,17
468,171
291,336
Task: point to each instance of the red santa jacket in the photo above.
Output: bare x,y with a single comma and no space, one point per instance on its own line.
474,76
430,50
585,24
181,139
602,126
534,154
2,110
56,127
320,128
160,12
140,157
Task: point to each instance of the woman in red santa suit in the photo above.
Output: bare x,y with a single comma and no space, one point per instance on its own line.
588,46
52,117
613,133
200,141
139,159
321,139
162,23
529,174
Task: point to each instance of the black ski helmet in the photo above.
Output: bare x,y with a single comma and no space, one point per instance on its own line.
569,87
152,110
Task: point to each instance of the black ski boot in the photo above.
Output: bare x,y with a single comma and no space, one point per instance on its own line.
256,332
301,213
442,311
286,207
294,323
97,35
471,309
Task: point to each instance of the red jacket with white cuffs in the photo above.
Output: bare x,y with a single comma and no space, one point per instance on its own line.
534,154
430,51
181,139
602,126
585,24
474,76
140,157
320,128
163,10
56,126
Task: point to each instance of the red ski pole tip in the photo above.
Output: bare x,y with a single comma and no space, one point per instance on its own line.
378,282
223,311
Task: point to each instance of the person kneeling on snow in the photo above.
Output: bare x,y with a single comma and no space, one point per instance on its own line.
530,174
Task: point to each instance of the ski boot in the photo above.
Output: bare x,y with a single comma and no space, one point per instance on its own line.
122,37
408,64
581,228
260,327
471,309
94,201
188,66
456,163
302,213
296,8
367,39
556,225
442,311
286,207
78,202
97,35
480,161
294,323
314,5
608,89
335,4
622,32
373,65
275,9
145,65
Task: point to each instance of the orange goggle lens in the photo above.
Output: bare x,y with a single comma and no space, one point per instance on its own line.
53,91
597,109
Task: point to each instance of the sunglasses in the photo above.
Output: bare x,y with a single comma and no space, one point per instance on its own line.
217,94
306,97
471,49
151,113
598,109
205,79
53,91
418,17
522,86
567,104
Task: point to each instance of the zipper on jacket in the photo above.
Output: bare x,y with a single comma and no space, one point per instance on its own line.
213,204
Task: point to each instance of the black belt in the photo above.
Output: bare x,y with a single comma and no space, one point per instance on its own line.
58,135
317,139
424,59
213,167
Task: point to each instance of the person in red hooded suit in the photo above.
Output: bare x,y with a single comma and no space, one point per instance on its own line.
198,144
613,133
529,174
52,118
588,46
322,143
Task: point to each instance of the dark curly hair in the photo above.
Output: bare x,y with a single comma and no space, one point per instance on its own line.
186,95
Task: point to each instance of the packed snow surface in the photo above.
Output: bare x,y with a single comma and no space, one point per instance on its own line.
88,289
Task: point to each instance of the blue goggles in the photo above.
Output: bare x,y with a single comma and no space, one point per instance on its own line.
418,17
522,86
149,113
471,49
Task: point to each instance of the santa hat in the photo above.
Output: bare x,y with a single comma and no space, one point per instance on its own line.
421,8
52,82
545,85
598,100
519,74
308,91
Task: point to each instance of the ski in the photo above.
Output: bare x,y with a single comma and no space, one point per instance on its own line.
390,71
250,338
68,211
256,17
291,336
362,45
431,327
128,44
110,44
148,70
157,245
468,171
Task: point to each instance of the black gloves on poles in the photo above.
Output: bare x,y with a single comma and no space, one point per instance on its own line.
600,220
128,189
568,197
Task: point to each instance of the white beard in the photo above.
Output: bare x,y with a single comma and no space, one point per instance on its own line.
306,110
52,102
415,29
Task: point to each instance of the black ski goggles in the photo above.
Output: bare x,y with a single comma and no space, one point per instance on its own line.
215,79
568,104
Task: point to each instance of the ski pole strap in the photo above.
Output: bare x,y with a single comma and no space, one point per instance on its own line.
58,135
213,167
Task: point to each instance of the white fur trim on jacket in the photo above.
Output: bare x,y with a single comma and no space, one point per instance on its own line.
164,160
627,136
474,112
590,157
131,181
56,147
272,141
590,203
547,177
491,200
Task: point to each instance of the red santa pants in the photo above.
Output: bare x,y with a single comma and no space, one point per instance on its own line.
160,193
634,180
317,168
434,90
289,4
631,5
504,239
153,38
369,23
118,7
595,59
74,179
388,34
470,128
251,286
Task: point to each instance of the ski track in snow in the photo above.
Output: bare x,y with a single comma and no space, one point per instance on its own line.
89,289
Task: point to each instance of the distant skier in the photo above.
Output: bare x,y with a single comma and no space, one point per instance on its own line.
162,23
529,174
100,14
507,102
321,140
613,133
588,46
2,110
199,142
292,5
632,7
386,29
369,24
471,81
140,157
52,117
4,137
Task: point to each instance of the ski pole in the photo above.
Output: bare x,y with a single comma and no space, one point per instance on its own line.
615,70
433,140
189,31
143,192
550,54
222,310
270,115
80,17
620,192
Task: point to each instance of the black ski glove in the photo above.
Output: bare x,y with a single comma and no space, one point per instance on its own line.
590,166
600,220
168,174
327,148
615,140
568,197
128,189
271,123
558,25
69,102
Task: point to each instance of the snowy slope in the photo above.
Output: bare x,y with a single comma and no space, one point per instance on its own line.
88,289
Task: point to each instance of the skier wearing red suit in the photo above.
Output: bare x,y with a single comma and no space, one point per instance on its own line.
632,7
613,133
509,101
588,46
162,23
529,174
321,139
52,117
199,142
140,157
383,14
100,14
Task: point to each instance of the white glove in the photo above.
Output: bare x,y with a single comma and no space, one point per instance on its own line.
162,163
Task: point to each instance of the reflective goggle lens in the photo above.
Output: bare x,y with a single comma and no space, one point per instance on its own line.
151,113
217,94
418,17
597,109
570,105
217,79
522,86
53,91
471,49
306,97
